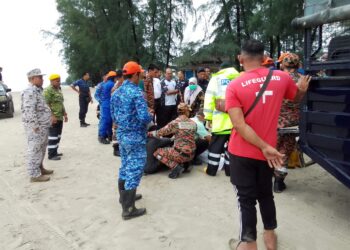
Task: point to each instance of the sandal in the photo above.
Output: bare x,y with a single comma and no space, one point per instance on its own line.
234,243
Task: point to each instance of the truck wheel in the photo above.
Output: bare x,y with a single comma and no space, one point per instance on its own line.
11,110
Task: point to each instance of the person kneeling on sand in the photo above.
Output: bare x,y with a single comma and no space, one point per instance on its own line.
183,151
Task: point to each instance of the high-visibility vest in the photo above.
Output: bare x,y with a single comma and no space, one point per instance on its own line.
220,121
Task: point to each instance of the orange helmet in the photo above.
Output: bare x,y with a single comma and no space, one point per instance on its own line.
268,61
131,68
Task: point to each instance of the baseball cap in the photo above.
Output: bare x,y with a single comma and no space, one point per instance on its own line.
54,76
200,69
111,74
119,73
131,68
225,65
35,72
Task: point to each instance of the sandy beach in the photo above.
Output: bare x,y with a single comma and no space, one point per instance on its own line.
78,208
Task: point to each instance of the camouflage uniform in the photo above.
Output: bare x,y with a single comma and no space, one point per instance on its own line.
35,115
149,91
289,117
184,130
54,99
130,114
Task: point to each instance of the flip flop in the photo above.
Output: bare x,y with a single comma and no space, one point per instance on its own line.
234,243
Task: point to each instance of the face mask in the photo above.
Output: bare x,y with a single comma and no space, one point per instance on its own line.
193,87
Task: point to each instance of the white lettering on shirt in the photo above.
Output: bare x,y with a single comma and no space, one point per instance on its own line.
259,80
266,93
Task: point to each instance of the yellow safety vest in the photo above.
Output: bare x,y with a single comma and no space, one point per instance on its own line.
220,121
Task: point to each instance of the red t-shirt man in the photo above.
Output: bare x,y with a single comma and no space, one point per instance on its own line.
242,91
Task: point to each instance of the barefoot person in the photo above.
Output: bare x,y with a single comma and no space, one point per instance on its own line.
36,118
253,155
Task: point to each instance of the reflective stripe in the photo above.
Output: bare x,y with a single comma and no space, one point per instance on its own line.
213,163
53,138
208,110
210,92
59,136
216,112
227,162
240,213
52,146
214,155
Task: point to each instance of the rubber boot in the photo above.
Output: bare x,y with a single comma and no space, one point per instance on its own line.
116,151
128,205
187,167
121,187
279,185
175,172
103,140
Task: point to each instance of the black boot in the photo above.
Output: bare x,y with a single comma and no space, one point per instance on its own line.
116,151
175,172
83,124
279,185
128,205
103,140
187,167
121,187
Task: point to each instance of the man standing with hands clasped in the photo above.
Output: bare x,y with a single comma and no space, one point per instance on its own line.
54,98
253,155
36,118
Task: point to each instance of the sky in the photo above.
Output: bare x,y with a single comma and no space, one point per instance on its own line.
23,46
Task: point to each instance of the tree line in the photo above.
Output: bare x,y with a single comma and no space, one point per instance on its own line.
99,35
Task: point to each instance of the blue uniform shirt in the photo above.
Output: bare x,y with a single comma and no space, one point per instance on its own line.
98,92
83,87
105,95
130,113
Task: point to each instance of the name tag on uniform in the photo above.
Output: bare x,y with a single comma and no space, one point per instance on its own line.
224,82
186,125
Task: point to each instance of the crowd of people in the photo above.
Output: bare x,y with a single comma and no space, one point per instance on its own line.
155,121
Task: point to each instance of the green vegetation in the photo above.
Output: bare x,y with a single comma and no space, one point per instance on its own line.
99,35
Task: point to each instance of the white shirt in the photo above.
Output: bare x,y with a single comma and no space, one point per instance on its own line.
170,100
157,88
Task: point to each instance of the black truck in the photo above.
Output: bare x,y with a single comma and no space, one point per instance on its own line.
6,102
325,113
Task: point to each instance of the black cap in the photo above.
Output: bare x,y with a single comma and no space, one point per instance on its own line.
119,73
200,69
225,65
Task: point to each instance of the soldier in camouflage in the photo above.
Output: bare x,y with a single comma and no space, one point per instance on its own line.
54,99
183,151
131,116
289,117
36,118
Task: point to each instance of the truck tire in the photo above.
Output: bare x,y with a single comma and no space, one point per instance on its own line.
11,110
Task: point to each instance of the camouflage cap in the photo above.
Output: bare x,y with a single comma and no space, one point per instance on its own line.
34,72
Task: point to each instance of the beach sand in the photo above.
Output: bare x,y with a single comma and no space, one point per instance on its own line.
78,208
